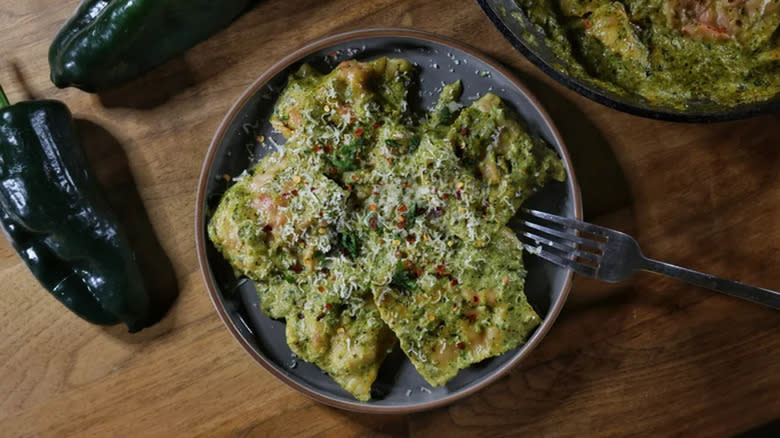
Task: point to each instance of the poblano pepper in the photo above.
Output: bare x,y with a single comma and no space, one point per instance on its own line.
108,42
56,217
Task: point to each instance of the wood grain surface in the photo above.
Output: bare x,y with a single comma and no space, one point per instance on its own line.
651,356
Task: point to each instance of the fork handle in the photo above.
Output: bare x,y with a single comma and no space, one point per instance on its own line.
758,295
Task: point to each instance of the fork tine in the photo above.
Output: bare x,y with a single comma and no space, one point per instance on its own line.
532,239
588,271
571,223
589,243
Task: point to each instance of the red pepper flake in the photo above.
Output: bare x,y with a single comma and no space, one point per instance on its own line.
296,268
401,225
441,270
328,148
334,54
328,306
402,208
376,125
475,299
372,207
332,170
372,222
294,192
359,132
376,193
464,131
472,318
348,187
406,186
453,282
313,188
460,345
457,195
267,228
321,289
317,148
333,278
444,196
587,23
411,238
321,215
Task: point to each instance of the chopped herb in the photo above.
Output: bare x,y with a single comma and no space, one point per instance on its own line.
349,243
414,143
412,213
445,116
392,143
403,279
345,157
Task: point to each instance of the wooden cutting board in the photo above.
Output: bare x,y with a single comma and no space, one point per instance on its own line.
651,356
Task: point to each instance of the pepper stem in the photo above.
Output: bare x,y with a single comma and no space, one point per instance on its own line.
3,100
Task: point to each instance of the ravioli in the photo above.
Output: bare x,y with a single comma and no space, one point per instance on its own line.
277,218
332,322
452,312
376,222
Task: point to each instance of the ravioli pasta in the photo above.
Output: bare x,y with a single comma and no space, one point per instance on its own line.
373,225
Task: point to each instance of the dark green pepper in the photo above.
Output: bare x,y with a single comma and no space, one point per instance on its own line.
108,42
56,217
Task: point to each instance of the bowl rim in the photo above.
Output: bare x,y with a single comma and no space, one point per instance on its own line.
200,204
593,93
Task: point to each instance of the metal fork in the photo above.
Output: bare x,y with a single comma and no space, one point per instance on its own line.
612,256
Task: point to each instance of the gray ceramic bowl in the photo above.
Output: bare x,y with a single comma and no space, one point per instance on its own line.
235,147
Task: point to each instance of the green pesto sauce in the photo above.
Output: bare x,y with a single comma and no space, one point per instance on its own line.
671,52
376,223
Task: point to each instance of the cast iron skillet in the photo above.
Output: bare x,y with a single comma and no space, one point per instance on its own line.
245,136
500,13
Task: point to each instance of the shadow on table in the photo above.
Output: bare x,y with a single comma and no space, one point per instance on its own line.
157,86
771,429
169,79
603,183
21,79
110,164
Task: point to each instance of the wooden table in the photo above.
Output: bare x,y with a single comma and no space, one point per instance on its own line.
649,356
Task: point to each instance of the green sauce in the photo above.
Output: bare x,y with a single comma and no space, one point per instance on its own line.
670,52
